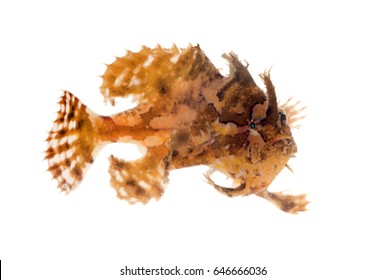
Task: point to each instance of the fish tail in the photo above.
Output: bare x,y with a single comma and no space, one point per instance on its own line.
72,143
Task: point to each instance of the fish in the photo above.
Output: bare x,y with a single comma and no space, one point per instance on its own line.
188,114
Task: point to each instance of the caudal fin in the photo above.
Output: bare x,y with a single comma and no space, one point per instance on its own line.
72,142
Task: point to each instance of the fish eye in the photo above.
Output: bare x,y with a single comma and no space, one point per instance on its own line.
282,116
252,125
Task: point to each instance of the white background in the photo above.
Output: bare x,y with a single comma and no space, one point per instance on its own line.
330,55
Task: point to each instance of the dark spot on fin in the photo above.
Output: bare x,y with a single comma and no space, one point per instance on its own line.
131,183
71,114
77,172
80,124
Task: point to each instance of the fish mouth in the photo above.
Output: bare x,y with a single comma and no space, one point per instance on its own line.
284,138
284,143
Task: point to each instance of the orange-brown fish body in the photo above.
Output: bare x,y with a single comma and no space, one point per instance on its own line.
188,114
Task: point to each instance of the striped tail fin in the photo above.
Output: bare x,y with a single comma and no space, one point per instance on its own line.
72,142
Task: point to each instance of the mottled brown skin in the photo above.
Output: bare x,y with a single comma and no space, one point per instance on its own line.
188,114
